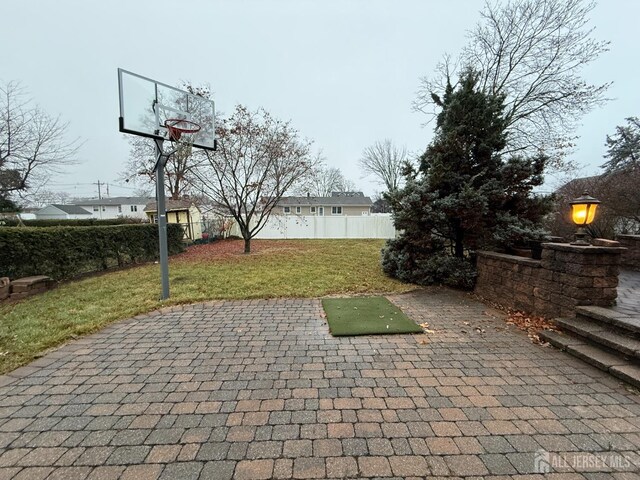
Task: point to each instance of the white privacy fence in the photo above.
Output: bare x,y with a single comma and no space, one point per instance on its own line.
296,226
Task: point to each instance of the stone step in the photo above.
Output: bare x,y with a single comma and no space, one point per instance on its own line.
616,365
618,340
610,317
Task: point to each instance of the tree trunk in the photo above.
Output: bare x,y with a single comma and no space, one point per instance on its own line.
459,245
247,245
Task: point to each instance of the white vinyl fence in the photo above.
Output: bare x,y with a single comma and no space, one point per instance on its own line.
296,226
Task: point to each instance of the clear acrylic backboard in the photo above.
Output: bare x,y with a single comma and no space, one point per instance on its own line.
145,105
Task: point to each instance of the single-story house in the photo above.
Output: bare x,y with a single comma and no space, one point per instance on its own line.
115,207
339,203
62,212
184,212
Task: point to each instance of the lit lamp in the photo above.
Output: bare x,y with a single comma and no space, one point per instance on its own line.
583,211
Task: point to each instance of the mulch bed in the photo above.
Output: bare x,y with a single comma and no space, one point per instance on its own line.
233,248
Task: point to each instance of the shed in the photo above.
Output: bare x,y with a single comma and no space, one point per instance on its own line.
183,212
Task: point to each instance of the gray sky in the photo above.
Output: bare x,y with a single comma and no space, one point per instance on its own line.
343,71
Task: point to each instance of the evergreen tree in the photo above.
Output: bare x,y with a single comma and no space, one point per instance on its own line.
464,196
623,148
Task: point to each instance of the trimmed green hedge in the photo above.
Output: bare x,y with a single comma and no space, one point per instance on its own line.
66,252
89,222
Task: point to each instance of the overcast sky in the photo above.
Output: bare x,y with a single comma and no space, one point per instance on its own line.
344,72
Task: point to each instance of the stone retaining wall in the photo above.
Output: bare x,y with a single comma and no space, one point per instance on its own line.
630,257
24,287
567,276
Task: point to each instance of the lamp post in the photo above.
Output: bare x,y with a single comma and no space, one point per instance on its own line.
583,211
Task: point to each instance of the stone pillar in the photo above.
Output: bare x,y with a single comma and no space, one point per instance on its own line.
581,275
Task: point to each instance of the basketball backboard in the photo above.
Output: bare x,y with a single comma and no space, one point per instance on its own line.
145,105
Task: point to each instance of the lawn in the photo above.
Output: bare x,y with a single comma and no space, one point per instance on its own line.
275,268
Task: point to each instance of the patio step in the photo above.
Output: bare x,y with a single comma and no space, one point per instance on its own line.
596,355
607,316
607,335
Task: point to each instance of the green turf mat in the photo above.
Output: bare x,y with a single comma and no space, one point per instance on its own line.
366,316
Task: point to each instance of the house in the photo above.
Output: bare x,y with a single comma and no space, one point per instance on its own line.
339,203
184,212
115,207
65,212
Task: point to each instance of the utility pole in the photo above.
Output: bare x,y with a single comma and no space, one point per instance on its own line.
99,197
99,184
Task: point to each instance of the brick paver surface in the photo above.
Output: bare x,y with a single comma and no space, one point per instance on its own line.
259,389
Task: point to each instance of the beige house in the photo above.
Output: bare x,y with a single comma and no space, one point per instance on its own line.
338,204
183,212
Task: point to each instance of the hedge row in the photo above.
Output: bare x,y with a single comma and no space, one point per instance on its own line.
66,252
88,222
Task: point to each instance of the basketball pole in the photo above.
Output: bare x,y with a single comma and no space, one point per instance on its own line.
162,219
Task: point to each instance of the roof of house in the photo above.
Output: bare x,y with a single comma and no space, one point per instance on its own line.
332,201
71,209
115,201
171,205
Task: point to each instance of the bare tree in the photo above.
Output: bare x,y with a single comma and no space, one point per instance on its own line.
257,161
140,167
532,52
41,197
380,204
619,211
323,181
385,161
33,144
179,178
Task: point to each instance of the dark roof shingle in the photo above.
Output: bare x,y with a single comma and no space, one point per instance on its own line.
171,205
71,209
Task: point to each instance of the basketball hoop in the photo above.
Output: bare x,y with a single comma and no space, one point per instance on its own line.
179,126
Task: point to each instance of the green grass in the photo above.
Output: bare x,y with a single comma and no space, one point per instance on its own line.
301,268
366,316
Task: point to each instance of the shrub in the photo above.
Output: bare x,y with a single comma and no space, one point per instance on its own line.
426,265
89,222
65,252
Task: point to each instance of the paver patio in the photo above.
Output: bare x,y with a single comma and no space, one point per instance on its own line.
259,389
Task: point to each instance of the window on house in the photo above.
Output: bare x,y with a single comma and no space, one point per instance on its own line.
287,209
104,209
95,209
119,208
313,209
134,208
336,210
298,209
